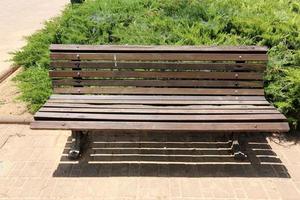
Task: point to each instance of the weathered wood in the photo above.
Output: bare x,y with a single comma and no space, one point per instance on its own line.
207,89
159,97
163,126
159,117
165,91
160,48
179,110
150,74
158,102
159,56
160,83
160,65
165,107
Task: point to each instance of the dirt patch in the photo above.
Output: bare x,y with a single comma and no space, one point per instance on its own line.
9,103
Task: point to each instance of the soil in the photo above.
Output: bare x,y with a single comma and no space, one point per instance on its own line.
9,102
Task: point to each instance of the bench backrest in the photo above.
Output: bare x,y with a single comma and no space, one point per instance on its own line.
158,70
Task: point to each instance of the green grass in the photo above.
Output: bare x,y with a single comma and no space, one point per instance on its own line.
275,24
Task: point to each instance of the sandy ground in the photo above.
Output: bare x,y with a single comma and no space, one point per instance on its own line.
9,104
21,18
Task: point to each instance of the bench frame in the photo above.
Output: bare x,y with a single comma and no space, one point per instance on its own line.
200,78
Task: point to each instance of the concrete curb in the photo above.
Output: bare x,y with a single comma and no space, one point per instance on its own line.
15,119
7,73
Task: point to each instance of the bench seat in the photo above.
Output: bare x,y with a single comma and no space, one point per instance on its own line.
217,89
161,113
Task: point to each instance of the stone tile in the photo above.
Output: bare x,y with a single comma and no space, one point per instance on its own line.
254,188
291,158
270,188
287,189
127,187
222,188
32,187
153,188
5,185
16,169
33,169
64,188
175,188
207,188
6,168
238,188
294,171
47,191
191,187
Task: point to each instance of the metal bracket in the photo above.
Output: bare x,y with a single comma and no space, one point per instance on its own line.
77,143
238,147
115,60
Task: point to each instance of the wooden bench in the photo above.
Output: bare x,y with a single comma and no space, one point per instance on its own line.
158,88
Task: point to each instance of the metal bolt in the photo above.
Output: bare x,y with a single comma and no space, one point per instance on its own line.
78,73
78,56
240,57
236,75
78,90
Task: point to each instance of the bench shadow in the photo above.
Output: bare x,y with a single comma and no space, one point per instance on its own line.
164,154
292,138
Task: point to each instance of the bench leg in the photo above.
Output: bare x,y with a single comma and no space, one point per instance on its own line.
238,146
76,148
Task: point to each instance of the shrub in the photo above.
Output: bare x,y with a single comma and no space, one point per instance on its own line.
35,85
181,22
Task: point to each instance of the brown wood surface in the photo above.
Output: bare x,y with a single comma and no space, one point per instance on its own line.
159,56
159,117
156,48
159,97
163,126
180,110
159,65
165,107
153,91
158,102
150,74
159,83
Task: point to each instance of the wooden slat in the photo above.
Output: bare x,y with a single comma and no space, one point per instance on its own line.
163,126
165,107
166,91
150,74
159,56
158,102
158,117
160,97
161,65
159,83
156,111
155,48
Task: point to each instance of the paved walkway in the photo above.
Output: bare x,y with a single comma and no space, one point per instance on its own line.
21,18
139,166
